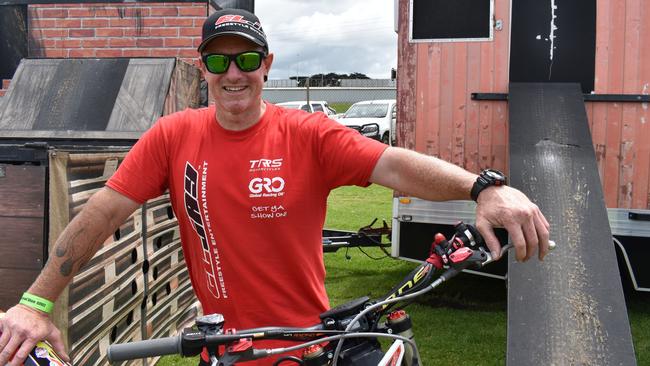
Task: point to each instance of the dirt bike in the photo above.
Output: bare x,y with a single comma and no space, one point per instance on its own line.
346,335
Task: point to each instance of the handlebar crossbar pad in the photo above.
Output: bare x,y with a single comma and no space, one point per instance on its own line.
144,349
347,309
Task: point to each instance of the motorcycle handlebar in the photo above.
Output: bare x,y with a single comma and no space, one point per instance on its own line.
144,349
188,342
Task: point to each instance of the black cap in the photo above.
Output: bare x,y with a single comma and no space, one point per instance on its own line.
236,22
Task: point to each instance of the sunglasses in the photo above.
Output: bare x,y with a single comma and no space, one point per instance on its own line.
246,61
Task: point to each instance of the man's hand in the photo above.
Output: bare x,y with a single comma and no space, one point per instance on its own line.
508,208
21,329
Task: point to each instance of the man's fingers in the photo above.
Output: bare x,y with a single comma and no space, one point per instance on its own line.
4,336
57,343
542,235
9,350
490,238
547,225
518,241
23,352
4,340
530,234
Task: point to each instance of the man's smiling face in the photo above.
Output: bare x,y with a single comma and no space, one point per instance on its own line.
236,91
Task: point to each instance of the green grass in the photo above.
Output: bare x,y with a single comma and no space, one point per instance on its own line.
638,305
464,323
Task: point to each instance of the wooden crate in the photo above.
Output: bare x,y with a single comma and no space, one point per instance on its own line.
123,326
65,125
169,289
138,276
170,304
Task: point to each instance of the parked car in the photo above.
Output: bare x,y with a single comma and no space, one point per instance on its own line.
313,106
372,118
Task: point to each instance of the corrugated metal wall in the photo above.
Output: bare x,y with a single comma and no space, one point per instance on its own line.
437,116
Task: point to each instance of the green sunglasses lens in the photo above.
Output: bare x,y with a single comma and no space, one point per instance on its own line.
217,63
248,61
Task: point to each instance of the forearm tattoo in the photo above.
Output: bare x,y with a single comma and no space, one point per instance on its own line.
72,253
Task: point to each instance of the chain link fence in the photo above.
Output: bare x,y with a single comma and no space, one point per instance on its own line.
340,95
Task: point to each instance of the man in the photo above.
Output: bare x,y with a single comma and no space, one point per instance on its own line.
249,183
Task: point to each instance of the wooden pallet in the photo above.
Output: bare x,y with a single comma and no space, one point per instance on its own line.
136,285
79,124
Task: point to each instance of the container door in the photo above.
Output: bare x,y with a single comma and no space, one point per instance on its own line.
22,208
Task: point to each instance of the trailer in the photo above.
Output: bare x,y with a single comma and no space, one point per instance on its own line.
455,64
554,94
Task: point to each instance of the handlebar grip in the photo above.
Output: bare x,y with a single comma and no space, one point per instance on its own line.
144,349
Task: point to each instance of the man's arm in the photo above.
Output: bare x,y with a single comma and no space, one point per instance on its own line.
437,180
23,327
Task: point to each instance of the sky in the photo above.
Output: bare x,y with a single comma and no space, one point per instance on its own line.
322,36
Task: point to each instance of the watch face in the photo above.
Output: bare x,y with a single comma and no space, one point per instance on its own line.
493,174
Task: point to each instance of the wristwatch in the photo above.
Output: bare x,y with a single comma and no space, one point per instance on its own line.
487,178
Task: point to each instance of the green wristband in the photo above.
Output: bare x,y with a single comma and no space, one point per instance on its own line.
37,302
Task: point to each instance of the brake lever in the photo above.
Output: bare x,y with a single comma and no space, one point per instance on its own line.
504,250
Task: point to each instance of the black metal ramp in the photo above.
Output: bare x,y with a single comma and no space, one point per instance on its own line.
569,309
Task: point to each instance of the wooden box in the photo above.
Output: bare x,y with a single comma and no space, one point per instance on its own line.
65,125
136,286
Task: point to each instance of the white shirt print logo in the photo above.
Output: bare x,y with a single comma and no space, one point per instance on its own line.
271,186
265,165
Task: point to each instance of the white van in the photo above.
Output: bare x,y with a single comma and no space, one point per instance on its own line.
313,106
372,118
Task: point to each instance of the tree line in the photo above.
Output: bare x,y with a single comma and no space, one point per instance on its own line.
330,79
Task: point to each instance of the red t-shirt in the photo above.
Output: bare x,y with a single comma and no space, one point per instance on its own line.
250,205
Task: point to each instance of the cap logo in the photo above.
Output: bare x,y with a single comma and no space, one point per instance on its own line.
240,21
230,18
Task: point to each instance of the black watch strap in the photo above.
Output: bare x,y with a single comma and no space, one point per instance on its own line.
487,178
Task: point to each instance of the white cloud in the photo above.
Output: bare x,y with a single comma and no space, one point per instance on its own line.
319,36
